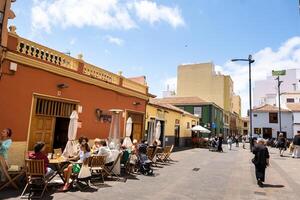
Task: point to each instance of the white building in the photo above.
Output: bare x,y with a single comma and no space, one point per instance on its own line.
295,108
266,122
265,91
289,97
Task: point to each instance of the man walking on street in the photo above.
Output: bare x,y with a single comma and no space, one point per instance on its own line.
296,144
261,160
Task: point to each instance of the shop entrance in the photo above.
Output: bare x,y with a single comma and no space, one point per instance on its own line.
50,122
61,132
177,136
267,133
137,125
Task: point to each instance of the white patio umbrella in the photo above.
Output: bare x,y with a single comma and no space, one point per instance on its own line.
127,141
157,131
200,129
151,130
71,147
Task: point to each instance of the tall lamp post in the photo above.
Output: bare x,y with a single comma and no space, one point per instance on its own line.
250,61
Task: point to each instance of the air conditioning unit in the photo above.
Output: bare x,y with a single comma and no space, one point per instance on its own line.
13,66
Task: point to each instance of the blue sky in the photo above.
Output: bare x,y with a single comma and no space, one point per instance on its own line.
143,37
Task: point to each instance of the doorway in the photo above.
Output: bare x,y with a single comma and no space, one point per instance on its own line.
177,136
267,133
50,122
61,132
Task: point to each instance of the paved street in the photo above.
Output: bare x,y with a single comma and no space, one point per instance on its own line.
200,174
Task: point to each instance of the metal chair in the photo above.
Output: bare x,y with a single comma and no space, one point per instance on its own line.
36,179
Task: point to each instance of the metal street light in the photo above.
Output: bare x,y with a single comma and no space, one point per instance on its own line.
279,82
250,61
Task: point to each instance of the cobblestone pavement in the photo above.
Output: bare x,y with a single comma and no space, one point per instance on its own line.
199,174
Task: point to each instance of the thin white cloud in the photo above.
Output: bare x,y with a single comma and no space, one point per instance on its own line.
104,14
73,41
285,57
114,40
108,14
151,12
170,83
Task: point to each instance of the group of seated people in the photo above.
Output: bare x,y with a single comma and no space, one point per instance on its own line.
100,147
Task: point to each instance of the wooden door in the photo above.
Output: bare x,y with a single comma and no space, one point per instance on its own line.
42,129
137,131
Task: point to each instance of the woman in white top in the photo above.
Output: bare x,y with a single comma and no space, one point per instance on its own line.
84,153
105,151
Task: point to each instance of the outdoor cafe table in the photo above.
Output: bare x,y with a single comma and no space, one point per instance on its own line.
60,164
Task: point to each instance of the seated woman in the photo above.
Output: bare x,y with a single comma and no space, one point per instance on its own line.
96,146
38,154
5,143
84,153
105,151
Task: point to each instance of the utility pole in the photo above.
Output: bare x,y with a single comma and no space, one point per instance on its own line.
279,99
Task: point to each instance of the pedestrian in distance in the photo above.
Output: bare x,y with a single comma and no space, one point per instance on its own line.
229,142
220,142
260,160
244,138
236,141
296,145
281,144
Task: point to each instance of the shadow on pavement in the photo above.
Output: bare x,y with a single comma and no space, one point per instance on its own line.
273,186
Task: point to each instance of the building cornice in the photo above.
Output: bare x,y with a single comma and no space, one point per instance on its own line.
29,62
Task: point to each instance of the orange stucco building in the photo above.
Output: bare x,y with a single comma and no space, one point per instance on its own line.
40,87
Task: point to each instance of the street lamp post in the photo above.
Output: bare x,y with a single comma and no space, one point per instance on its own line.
250,61
279,106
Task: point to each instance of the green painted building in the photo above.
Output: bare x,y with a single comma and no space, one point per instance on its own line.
211,115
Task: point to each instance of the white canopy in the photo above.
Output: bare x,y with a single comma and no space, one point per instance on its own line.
151,130
71,147
157,131
127,141
200,129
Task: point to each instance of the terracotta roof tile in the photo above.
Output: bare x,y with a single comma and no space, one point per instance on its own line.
139,79
170,107
294,106
181,100
269,108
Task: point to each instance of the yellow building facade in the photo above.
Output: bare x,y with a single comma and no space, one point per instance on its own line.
175,123
202,80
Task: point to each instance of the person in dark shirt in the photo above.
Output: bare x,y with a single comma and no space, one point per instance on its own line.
296,143
261,160
38,154
281,144
220,142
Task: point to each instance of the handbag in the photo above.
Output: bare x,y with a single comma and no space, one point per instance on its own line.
84,172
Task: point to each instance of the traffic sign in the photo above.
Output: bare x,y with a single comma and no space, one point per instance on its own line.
278,72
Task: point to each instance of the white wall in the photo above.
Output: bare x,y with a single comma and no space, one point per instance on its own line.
269,85
262,121
296,122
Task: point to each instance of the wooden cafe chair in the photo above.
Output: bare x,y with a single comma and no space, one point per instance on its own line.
11,175
36,179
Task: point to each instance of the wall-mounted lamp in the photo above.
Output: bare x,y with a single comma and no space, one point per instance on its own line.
62,86
98,113
136,103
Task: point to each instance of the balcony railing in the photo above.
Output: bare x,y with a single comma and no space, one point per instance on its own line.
40,52
48,55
